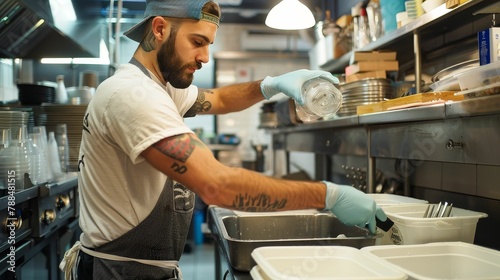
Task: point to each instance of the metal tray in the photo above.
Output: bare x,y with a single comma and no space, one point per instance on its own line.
240,235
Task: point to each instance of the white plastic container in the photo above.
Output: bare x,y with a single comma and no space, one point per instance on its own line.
321,99
411,228
480,76
441,260
321,262
386,200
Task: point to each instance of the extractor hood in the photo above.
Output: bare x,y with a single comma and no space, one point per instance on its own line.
28,31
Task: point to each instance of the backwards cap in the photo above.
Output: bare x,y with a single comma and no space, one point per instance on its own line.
171,8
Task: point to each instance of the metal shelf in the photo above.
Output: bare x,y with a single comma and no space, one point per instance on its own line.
430,24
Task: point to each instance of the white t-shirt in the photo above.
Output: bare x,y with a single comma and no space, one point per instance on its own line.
128,113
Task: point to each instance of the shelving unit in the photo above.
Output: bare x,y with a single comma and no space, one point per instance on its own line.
407,40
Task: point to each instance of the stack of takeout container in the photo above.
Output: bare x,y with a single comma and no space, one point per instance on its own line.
320,262
431,261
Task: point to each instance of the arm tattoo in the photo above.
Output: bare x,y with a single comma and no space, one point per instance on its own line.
178,147
257,203
200,105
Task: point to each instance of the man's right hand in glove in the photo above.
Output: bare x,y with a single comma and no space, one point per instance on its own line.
291,83
352,207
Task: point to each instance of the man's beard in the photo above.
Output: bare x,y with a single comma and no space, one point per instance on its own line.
171,67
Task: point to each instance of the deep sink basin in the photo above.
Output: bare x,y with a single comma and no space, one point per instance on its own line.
241,234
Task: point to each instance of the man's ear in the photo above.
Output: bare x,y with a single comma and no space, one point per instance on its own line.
159,27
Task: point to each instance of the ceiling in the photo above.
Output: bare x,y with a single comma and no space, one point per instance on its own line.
233,11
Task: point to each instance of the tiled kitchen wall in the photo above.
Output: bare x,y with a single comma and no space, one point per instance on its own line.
230,70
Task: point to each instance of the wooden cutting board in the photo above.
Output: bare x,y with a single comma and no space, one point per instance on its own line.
419,99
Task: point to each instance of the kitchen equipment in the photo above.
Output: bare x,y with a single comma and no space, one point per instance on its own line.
88,78
410,227
268,117
363,92
446,80
79,95
455,69
286,114
441,260
35,94
259,156
61,93
57,202
321,262
441,210
479,76
240,233
386,200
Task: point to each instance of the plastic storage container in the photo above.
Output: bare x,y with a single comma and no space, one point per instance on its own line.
480,76
321,99
411,228
387,200
320,262
441,260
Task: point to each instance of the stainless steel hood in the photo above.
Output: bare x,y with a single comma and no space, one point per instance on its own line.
27,30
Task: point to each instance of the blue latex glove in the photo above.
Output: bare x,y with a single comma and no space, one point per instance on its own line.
353,207
291,83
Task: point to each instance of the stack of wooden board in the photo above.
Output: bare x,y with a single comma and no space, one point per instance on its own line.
370,64
420,99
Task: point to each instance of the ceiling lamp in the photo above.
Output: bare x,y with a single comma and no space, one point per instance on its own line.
290,15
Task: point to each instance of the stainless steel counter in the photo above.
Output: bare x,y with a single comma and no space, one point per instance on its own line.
435,152
488,105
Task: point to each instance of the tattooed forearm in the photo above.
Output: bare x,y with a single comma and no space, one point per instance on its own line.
178,147
259,203
200,105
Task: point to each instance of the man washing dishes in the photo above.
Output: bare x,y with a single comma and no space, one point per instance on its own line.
140,166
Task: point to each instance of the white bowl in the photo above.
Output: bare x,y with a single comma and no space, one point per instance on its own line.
429,5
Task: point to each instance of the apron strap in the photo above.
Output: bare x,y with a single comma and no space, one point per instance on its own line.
69,262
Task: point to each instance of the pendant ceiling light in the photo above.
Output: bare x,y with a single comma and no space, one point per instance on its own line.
290,15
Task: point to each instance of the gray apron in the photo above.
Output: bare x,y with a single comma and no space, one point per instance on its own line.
161,236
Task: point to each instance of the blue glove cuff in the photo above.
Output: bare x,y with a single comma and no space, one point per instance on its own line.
331,195
267,90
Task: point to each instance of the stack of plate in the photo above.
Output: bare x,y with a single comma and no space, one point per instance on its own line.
34,94
363,92
51,115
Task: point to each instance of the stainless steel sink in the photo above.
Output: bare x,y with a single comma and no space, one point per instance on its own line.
241,234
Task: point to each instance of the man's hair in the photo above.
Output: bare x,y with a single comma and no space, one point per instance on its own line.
148,41
211,8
